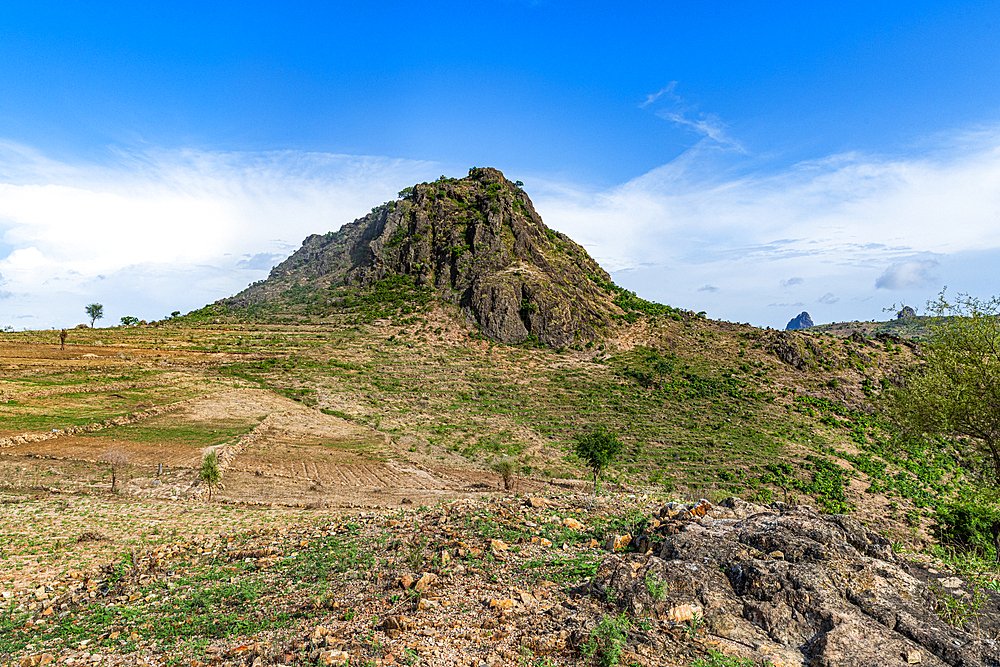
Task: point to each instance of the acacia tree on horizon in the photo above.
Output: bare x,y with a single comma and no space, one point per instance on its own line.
95,311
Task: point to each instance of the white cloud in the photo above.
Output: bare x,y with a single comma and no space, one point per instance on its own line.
173,230
838,221
908,275
212,222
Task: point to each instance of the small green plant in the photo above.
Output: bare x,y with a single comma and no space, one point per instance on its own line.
957,611
694,625
606,641
716,659
655,588
415,554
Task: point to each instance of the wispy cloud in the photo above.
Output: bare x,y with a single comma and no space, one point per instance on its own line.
791,282
666,90
708,288
668,105
829,299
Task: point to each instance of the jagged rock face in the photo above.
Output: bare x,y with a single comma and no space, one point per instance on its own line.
795,588
800,321
477,242
905,312
798,352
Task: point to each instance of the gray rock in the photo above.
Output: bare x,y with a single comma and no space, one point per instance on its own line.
792,582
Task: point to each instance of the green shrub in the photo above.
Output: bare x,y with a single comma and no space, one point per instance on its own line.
966,523
606,641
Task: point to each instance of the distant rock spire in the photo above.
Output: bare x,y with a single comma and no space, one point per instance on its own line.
801,321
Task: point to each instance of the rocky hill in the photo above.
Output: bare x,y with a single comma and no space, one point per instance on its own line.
476,242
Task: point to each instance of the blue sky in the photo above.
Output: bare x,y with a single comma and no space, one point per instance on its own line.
748,159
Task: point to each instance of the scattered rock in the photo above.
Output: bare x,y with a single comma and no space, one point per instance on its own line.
333,658
394,626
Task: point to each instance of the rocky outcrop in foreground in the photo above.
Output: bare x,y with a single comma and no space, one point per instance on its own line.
797,588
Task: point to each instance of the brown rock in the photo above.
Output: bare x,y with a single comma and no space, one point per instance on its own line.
683,613
333,657
426,580
912,657
618,542
393,626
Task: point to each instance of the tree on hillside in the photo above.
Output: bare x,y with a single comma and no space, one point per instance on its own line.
956,391
599,449
210,473
95,311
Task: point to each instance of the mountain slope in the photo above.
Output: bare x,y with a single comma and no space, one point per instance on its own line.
476,242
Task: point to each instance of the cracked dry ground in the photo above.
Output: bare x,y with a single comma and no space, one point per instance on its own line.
469,582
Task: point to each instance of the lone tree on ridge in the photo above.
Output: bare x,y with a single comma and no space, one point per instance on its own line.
599,449
95,311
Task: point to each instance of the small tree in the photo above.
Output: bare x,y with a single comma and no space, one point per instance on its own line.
95,311
128,321
118,461
210,473
508,468
599,449
956,392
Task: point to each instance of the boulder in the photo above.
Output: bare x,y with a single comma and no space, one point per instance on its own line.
790,582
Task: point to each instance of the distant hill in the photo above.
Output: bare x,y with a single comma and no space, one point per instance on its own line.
476,242
913,328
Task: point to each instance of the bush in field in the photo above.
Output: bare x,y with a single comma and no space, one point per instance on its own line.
508,468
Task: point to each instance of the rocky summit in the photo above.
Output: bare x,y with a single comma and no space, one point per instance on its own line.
476,242
800,321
